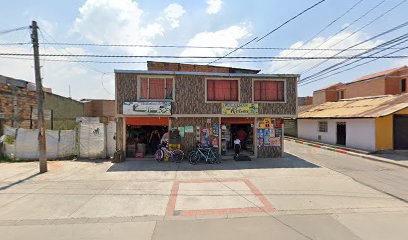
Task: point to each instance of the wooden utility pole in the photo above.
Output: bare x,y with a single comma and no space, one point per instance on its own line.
40,101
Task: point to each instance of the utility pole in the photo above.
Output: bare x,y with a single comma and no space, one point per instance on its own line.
40,101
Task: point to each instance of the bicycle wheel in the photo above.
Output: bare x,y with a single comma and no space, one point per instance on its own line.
178,155
193,157
159,155
217,157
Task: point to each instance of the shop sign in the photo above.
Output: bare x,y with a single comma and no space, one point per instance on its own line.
239,108
147,108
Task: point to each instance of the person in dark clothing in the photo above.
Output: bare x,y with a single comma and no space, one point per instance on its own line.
154,140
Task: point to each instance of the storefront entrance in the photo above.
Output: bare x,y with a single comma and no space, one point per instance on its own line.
143,135
241,128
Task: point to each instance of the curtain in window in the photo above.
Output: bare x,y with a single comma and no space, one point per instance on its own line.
268,91
169,88
156,88
144,88
222,90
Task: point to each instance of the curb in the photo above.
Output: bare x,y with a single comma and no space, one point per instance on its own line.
355,153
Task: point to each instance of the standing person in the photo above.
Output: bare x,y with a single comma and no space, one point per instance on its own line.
237,147
241,134
165,137
154,140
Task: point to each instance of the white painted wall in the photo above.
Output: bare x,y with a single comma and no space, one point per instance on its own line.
360,133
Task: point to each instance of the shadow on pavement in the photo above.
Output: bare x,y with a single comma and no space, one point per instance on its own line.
395,156
18,182
289,161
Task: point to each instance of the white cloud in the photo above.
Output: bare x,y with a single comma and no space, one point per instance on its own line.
123,22
214,6
173,13
336,42
58,75
228,37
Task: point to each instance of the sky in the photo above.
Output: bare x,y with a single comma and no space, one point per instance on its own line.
330,25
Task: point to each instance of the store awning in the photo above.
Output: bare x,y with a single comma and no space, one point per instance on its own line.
236,120
147,121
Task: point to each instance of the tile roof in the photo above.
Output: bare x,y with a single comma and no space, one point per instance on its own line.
362,107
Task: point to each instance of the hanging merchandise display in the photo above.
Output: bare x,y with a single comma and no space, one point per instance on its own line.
205,136
189,129
198,134
269,132
181,131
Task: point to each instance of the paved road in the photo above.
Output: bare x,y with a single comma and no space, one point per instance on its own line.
280,198
387,178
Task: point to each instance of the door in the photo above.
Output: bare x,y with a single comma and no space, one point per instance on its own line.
341,133
401,132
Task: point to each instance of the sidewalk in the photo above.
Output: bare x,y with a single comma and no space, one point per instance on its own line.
391,158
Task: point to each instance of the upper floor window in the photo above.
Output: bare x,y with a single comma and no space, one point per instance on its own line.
156,88
340,95
270,91
222,90
403,85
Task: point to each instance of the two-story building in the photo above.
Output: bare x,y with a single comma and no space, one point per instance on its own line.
212,105
389,82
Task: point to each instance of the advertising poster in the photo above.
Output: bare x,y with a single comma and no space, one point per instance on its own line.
267,136
181,131
239,108
275,141
188,129
215,130
205,135
267,122
147,108
278,132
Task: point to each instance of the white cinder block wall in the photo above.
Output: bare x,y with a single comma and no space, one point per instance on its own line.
360,133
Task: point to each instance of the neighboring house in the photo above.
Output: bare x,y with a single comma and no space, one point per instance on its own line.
368,123
303,101
206,104
393,81
99,108
18,106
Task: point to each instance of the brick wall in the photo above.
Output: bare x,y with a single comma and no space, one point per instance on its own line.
17,115
393,82
180,67
100,108
365,88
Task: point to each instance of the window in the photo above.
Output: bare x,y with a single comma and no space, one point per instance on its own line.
156,88
222,90
269,91
322,126
403,85
340,95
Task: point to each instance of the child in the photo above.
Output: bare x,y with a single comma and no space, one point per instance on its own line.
237,147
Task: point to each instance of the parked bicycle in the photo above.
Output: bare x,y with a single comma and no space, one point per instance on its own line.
208,154
173,155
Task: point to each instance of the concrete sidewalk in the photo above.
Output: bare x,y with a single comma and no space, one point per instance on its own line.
286,198
399,159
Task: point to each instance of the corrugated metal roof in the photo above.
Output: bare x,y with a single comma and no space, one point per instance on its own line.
363,107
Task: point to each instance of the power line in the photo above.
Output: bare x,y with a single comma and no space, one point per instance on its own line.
345,70
326,27
340,31
185,57
397,41
291,19
376,36
14,30
358,30
275,29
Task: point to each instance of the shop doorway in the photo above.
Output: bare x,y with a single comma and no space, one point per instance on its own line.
143,141
341,133
242,131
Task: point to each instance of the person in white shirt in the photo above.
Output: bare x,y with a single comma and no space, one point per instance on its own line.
237,147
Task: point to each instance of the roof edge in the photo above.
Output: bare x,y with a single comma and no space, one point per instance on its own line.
204,73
